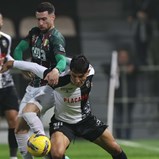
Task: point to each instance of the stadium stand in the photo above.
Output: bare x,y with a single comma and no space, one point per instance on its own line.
9,27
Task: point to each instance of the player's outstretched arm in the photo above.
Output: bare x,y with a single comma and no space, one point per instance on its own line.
25,66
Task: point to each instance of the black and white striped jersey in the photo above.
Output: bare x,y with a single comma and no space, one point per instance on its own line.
71,102
6,79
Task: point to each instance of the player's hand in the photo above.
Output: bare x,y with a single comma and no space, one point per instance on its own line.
6,66
53,77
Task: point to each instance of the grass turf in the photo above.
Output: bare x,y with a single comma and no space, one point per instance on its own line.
81,149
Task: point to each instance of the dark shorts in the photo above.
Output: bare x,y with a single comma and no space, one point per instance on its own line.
8,100
90,128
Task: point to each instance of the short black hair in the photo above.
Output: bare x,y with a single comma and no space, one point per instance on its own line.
46,6
79,64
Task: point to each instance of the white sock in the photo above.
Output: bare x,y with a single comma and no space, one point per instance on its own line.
34,122
13,158
22,145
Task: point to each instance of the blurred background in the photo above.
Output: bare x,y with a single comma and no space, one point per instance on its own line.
96,28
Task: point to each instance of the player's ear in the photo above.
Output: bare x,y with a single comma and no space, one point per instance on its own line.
53,16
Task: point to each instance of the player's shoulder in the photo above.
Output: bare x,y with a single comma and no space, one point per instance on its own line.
55,33
66,72
7,36
35,30
91,70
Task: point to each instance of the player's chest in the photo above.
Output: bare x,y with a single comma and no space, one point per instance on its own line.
41,48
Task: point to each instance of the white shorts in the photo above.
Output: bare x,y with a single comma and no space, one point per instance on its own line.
42,96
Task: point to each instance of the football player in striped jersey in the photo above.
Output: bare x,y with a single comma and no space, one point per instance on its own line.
72,114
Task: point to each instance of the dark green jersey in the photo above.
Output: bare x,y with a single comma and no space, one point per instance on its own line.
44,47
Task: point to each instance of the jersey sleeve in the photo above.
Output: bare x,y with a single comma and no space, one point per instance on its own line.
30,66
6,43
61,62
20,48
58,44
24,44
9,45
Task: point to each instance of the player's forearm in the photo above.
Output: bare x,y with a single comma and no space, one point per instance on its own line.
61,62
30,66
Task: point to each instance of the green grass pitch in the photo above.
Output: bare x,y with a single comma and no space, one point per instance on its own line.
81,149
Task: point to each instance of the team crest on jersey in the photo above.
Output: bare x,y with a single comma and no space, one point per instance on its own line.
67,90
4,43
88,84
34,39
62,49
46,42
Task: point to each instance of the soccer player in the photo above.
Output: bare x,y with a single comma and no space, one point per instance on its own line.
47,47
9,105
72,115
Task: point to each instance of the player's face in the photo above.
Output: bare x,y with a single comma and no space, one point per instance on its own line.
45,20
78,79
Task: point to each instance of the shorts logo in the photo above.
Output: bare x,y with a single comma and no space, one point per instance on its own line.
57,125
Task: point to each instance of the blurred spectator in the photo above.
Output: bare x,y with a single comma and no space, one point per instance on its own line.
133,6
140,14
154,61
125,94
143,31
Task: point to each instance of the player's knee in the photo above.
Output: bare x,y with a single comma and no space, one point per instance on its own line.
11,123
21,127
31,107
20,131
57,154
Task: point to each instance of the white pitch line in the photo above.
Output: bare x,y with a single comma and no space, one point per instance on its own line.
135,144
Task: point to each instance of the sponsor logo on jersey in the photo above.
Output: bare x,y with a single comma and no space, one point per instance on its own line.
76,99
46,42
62,49
4,43
88,84
38,53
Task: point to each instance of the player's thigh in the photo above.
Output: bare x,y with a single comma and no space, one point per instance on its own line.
30,94
108,143
44,100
